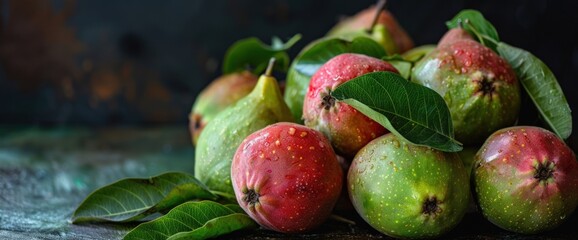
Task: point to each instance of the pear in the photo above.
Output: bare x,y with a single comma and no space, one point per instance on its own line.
221,93
219,140
377,23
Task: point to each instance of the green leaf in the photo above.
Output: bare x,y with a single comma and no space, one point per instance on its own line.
477,25
411,111
316,54
252,53
134,198
542,86
193,220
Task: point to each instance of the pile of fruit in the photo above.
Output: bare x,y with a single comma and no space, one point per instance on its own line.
287,155
407,138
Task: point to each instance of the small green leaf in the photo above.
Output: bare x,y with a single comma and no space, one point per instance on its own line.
316,54
193,220
411,111
477,26
134,198
252,53
542,86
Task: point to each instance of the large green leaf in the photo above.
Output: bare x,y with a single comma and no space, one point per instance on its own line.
411,111
476,25
134,198
316,54
542,86
194,220
252,53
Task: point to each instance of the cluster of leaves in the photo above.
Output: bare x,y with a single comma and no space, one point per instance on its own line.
194,211
188,209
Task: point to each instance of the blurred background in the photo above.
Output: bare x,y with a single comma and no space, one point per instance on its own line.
142,62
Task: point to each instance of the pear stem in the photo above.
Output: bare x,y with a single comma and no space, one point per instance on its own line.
380,7
269,69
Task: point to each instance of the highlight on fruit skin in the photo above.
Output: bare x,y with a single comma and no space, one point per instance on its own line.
525,179
287,177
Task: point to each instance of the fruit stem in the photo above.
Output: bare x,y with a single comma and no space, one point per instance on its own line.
380,7
269,69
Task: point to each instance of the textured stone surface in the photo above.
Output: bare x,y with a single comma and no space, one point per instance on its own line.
44,174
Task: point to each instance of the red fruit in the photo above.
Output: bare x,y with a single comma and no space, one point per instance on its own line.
286,177
347,129
526,179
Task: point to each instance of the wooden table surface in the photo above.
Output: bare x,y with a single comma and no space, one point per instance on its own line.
45,173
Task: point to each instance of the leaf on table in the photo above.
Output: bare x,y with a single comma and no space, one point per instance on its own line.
193,220
478,25
254,54
316,54
411,111
542,87
134,198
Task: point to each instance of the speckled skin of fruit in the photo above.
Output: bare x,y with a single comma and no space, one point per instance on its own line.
218,95
479,87
408,191
287,177
222,135
347,129
525,179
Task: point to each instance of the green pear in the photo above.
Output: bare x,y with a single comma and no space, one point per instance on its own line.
219,140
377,23
221,93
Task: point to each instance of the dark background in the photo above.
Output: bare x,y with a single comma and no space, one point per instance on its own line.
140,62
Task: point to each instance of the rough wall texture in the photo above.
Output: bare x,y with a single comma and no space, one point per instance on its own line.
68,62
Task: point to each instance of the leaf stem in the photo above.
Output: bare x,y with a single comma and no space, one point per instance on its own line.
480,36
378,9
